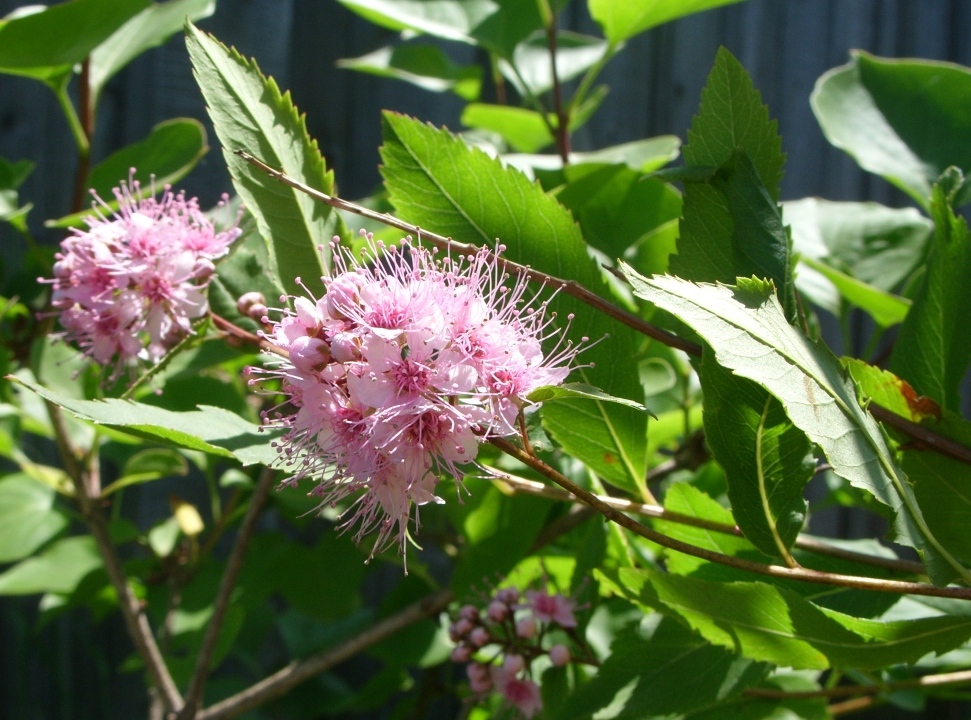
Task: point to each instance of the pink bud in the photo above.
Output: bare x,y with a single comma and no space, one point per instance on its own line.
469,612
526,628
559,655
498,611
510,596
479,637
513,664
461,654
462,627
309,354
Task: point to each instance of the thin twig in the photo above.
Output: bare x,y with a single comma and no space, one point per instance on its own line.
658,512
131,609
929,438
962,677
297,672
800,574
562,116
246,336
86,120
234,564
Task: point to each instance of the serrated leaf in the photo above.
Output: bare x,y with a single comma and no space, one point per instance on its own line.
46,45
767,460
552,393
622,19
166,156
933,348
420,64
653,671
895,394
437,182
750,336
28,518
58,569
904,120
249,113
874,244
775,625
498,25
209,429
942,486
149,28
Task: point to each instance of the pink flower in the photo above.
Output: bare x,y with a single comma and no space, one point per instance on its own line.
521,693
397,374
555,608
128,288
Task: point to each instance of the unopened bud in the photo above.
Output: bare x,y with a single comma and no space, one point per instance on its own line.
461,654
526,628
559,655
479,637
247,300
498,611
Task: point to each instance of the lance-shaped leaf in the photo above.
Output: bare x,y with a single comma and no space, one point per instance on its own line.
438,182
767,460
420,64
747,329
622,19
28,518
209,429
905,120
771,624
934,346
659,669
249,113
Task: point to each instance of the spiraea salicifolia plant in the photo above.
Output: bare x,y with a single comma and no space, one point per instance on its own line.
299,392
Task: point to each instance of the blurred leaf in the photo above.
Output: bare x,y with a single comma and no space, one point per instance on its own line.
149,28
163,536
209,429
746,328
46,45
876,245
763,708
642,156
774,625
905,120
933,348
426,66
13,174
166,156
28,518
768,461
497,25
652,671
57,569
249,113
622,19
885,308
942,486
148,465
437,182
530,64
524,130
187,516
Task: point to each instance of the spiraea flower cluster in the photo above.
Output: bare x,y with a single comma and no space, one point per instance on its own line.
127,288
501,642
400,370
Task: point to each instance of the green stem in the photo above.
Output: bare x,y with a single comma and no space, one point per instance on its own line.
591,75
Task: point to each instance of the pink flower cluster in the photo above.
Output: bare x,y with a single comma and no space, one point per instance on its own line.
127,288
513,632
400,370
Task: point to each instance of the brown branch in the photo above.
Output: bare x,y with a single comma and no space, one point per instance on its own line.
234,564
800,574
297,672
927,438
562,116
131,609
962,677
246,336
86,118
660,513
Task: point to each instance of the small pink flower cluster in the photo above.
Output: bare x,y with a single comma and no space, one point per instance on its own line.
513,632
128,287
400,370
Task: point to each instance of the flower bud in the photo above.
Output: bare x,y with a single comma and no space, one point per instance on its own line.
461,654
469,612
498,611
309,354
248,299
513,664
479,637
462,627
559,655
526,627
509,596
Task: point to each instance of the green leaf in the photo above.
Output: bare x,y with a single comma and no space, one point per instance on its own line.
57,569
942,486
497,25
661,669
894,393
149,28
552,393
905,120
749,333
622,19
148,465
524,130
28,518
643,156
934,347
209,429
731,225
249,113
885,308
423,65
437,182
775,625
766,708
767,460
531,67
168,154
874,244
46,45
12,175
